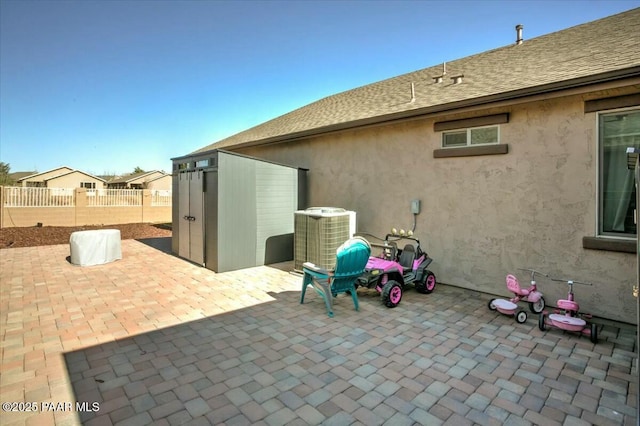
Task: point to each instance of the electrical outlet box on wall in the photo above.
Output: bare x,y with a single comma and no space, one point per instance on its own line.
415,206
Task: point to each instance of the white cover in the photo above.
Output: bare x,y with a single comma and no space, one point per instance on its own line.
95,247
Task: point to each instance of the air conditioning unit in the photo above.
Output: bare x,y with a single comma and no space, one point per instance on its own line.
318,232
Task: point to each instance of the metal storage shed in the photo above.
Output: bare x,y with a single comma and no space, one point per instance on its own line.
231,211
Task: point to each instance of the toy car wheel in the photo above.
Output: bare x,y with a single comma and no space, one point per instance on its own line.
427,284
391,294
541,322
594,333
537,307
492,307
521,317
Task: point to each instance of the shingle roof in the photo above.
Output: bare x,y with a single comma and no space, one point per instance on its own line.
19,175
597,51
74,171
132,176
34,174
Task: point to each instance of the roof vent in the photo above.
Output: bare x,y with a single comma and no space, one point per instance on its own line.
519,28
438,79
457,79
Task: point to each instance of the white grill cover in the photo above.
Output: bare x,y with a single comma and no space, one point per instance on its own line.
95,247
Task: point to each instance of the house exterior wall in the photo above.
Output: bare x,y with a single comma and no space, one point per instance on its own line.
481,217
163,183
73,180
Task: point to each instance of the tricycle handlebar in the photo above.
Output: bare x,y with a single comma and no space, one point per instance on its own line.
534,272
570,281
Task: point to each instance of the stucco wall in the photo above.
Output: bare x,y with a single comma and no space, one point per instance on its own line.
163,183
482,217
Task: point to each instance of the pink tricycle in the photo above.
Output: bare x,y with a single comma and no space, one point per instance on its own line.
531,295
568,317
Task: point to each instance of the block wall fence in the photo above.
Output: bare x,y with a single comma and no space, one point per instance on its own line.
81,214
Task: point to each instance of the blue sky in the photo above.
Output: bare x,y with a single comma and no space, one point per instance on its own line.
107,86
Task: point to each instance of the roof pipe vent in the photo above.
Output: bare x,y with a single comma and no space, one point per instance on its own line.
519,28
438,79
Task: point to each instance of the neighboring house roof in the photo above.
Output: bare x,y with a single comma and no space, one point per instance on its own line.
63,169
72,172
134,176
19,175
595,52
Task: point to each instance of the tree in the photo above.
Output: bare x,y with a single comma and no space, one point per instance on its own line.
5,168
138,170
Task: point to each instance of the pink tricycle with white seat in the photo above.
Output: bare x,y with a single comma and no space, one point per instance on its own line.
530,295
568,317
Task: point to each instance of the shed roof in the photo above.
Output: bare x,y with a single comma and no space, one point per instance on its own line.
598,51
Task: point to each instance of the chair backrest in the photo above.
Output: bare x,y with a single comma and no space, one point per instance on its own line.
352,257
407,256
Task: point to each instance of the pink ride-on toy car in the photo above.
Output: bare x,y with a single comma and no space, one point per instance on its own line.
530,294
390,272
568,317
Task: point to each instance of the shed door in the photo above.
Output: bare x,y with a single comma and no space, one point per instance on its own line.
191,214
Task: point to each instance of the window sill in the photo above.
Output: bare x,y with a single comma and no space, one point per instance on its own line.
609,244
471,151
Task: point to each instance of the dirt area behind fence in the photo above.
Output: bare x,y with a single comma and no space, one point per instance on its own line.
50,235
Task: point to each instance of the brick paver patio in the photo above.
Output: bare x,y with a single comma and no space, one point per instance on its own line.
153,339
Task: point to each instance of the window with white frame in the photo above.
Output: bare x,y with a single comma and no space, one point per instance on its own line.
88,185
472,136
616,194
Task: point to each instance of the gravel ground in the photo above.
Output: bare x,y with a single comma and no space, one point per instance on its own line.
50,235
